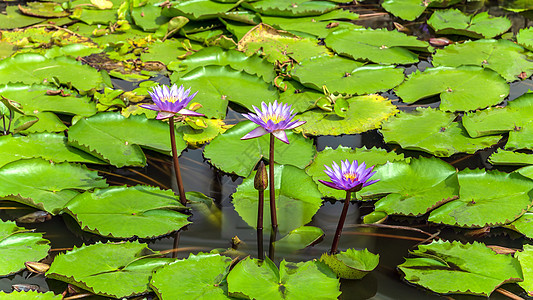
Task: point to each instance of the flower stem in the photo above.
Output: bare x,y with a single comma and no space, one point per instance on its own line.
272,249
261,203
341,223
4,120
10,120
177,171
273,214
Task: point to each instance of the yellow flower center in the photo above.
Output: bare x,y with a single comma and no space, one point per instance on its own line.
350,176
275,118
170,99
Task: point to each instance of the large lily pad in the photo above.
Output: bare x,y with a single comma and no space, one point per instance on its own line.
279,45
223,150
198,276
198,9
453,21
295,8
315,25
237,60
370,157
15,19
44,145
299,97
413,188
503,56
114,269
515,116
524,38
298,239
44,10
118,140
297,199
379,46
31,68
346,76
412,9
216,85
445,267
263,280
30,295
43,185
432,131
460,89
364,113
524,224
19,245
486,199
126,212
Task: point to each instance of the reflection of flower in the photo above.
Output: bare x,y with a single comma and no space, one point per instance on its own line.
169,102
273,119
350,177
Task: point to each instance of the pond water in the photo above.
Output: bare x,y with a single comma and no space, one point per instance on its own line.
217,230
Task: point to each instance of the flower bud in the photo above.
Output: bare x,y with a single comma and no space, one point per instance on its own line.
261,177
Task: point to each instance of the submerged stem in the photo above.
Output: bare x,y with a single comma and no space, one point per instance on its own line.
341,223
177,171
10,120
4,120
273,214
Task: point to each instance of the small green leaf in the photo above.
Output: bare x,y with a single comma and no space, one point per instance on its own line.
351,264
445,267
19,245
503,157
299,238
525,258
453,21
29,295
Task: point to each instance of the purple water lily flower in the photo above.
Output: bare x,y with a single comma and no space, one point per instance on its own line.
171,101
350,176
273,118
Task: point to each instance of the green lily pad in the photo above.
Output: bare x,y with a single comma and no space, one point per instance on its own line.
346,76
92,16
216,85
412,9
167,51
432,131
114,269
15,19
486,199
295,8
148,17
460,89
379,46
262,280
503,157
299,238
198,276
197,9
43,10
237,60
224,148
37,98
29,295
197,136
445,267
524,224
73,50
525,258
44,145
351,264
296,204
118,140
313,25
279,46
126,212
524,38
31,68
516,115
371,157
503,56
43,185
526,171
453,21
19,245
413,188
364,113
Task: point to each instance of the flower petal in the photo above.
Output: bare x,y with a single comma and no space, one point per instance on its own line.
187,112
281,135
259,131
149,106
330,184
164,115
